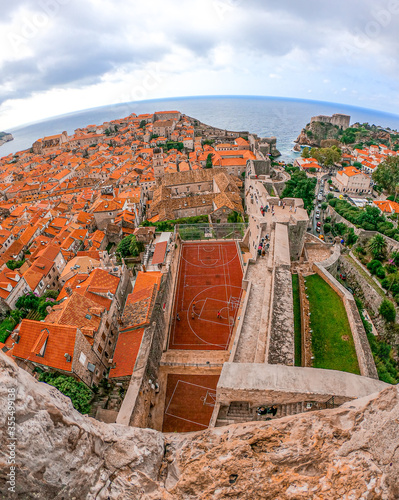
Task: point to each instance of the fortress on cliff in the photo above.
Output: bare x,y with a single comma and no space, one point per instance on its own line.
338,119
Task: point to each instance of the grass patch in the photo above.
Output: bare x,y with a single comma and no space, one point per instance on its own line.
297,320
332,341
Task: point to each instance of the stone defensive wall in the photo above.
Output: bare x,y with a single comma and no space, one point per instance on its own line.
392,245
331,264
280,338
363,351
372,292
265,384
136,403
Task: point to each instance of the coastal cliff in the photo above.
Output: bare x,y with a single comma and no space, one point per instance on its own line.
324,134
349,452
5,137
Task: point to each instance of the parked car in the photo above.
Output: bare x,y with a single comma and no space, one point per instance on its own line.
321,236
318,214
318,229
319,224
319,205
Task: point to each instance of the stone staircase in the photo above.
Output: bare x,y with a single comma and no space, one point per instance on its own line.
240,412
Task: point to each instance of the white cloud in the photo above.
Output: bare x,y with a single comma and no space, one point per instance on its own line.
92,53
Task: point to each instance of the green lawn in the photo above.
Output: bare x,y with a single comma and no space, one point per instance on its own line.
330,326
297,320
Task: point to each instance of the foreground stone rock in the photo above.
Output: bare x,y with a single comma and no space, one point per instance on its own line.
351,452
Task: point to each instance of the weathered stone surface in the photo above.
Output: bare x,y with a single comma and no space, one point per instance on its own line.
351,452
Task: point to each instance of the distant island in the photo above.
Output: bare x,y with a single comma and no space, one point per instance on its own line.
5,137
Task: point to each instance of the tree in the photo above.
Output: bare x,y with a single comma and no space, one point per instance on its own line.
209,163
14,264
351,237
377,246
327,228
143,123
387,174
395,258
324,205
387,310
327,156
300,186
129,246
79,393
305,153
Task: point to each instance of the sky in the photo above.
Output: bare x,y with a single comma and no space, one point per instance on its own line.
60,56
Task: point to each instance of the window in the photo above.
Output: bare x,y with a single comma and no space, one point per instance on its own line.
100,349
188,188
82,359
103,336
41,284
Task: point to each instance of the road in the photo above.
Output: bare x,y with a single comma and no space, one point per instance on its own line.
322,180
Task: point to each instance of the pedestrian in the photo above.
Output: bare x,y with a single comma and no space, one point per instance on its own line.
259,251
218,315
283,204
263,252
194,305
177,317
192,315
290,208
295,211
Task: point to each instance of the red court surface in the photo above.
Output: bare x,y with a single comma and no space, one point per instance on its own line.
189,402
209,281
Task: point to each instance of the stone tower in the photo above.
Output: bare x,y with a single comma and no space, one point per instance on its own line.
157,163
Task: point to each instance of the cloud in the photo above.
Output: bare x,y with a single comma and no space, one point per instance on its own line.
103,49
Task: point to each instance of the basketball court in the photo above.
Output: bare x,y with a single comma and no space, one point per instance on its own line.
189,402
207,296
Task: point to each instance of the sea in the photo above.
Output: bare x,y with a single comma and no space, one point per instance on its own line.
283,118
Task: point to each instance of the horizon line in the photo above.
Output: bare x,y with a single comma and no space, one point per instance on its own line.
210,96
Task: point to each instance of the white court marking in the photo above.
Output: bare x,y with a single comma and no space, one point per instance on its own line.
202,399
219,246
227,289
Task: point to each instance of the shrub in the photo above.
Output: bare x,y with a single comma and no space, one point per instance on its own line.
380,272
79,393
333,202
387,310
373,265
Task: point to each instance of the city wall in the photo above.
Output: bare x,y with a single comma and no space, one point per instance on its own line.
263,384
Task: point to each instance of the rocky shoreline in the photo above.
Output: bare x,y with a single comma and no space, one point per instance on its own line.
5,137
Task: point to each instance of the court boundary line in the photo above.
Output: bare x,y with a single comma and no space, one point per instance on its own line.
228,288
208,389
